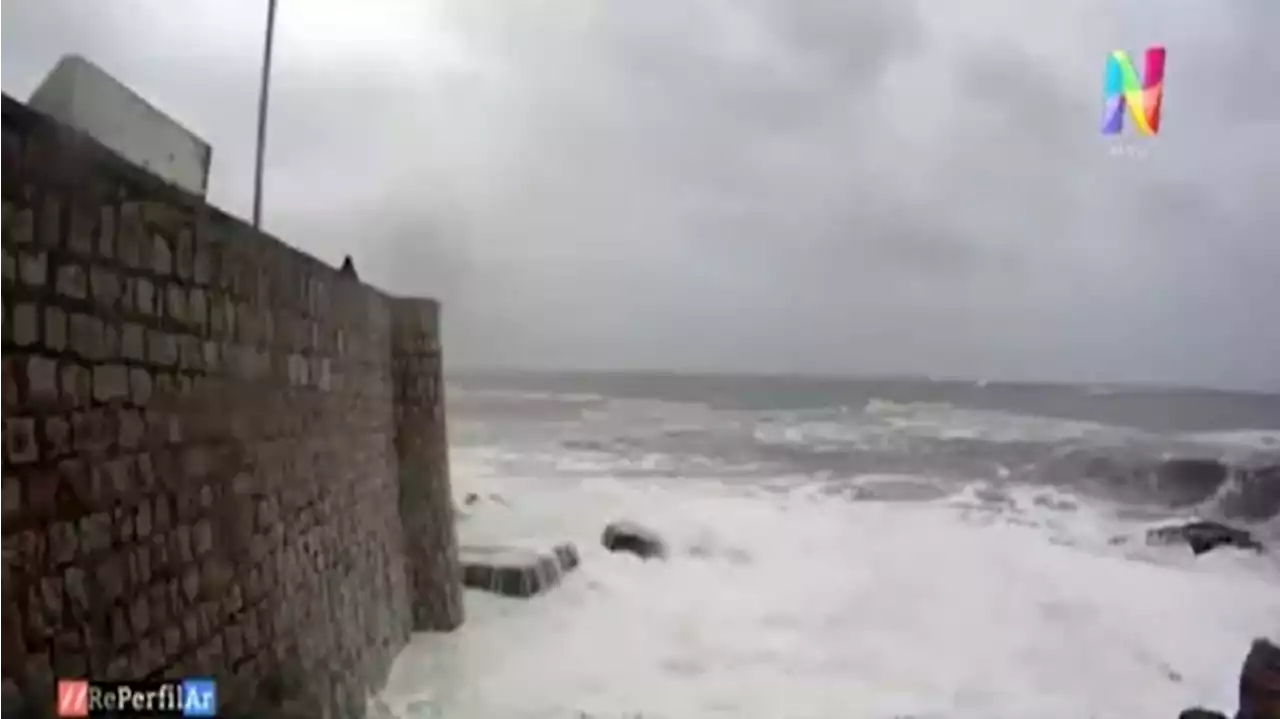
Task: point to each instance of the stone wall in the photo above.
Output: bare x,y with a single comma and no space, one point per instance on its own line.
220,456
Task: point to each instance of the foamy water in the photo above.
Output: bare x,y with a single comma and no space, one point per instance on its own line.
787,602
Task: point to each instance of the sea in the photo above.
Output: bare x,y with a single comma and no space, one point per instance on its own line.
840,548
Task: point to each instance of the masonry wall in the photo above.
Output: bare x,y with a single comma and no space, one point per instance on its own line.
221,457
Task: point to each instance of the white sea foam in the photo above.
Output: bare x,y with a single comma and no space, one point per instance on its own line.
784,602
1246,438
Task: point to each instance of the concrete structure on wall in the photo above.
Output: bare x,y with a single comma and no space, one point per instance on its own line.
80,94
221,456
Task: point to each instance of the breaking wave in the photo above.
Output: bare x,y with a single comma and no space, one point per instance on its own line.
879,558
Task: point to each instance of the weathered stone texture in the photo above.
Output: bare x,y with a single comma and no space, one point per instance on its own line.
220,456
425,495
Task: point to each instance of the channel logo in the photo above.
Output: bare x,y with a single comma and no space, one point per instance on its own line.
1143,96
187,698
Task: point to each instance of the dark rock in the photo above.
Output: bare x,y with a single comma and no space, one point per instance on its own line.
1199,713
473,498
1188,481
1204,536
1260,682
568,556
634,538
514,571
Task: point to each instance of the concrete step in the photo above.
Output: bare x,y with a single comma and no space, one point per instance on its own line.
516,571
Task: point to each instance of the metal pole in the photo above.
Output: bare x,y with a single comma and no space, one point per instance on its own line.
262,112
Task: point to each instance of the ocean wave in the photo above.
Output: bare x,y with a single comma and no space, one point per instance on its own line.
1266,439
792,602
456,392
1219,473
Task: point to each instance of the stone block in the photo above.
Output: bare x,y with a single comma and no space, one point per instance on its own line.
13,507
110,382
57,436
184,256
20,446
80,234
77,386
111,575
106,286
73,282
19,227
69,655
42,381
107,231
10,268
55,328
49,232
176,302
26,324
41,490
161,256
144,296
76,479
10,393
516,571
133,342
133,429
33,268
87,336
75,582
162,348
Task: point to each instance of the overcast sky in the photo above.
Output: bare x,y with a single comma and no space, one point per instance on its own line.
830,186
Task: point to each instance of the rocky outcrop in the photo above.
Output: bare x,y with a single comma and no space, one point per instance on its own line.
1260,682
1259,686
516,571
1199,713
634,538
472,498
1204,536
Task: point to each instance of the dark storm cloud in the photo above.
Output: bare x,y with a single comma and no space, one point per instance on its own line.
767,185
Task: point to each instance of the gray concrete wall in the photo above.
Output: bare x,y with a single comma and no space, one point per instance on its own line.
220,457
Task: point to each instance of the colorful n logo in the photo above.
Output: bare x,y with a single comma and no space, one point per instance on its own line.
1121,88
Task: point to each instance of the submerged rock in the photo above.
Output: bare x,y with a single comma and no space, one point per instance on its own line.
1204,536
1260,682
1259,686
634,538
473,498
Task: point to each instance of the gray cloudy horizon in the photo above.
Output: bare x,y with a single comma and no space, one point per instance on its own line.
777,186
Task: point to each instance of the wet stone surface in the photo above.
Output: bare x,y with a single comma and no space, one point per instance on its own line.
516,571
